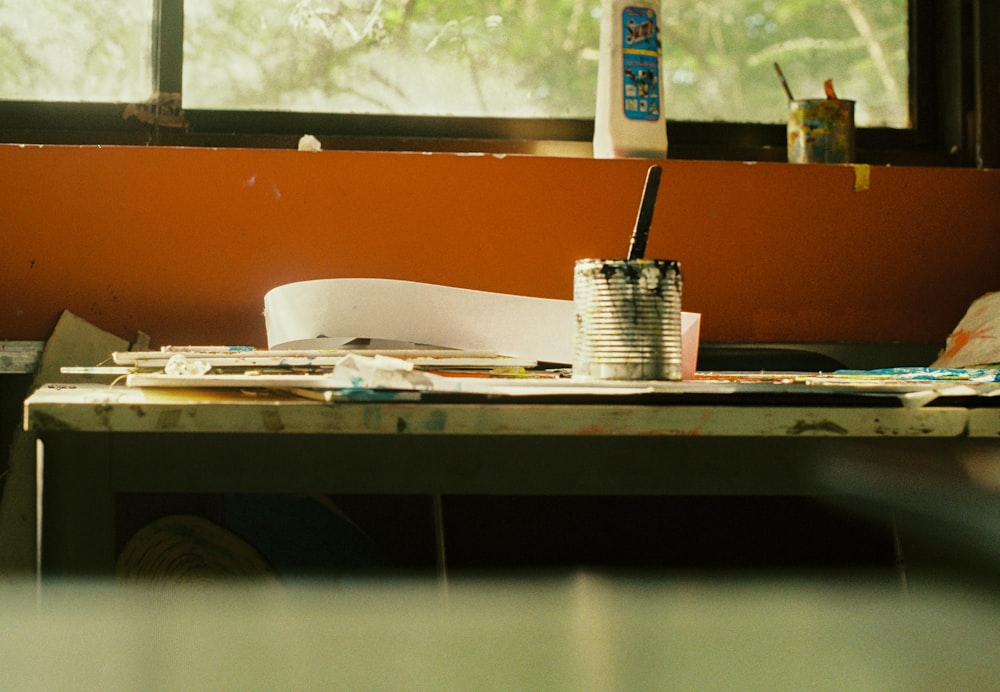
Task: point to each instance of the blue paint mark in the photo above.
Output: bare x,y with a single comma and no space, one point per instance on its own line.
370,395
920,373
436,421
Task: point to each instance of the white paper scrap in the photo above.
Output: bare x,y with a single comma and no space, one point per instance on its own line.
180,364
380,372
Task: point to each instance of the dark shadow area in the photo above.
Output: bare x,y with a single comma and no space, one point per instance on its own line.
13,390
654,532
740,358
357,535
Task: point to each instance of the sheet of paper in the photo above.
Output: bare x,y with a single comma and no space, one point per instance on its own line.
327,312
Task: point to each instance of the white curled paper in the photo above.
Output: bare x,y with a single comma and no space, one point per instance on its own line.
326,313
339,310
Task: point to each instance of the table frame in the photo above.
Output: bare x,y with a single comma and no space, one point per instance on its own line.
95,442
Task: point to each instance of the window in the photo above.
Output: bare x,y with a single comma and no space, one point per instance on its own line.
75,51
537,58
365,72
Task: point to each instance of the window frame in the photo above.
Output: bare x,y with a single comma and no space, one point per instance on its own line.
951,109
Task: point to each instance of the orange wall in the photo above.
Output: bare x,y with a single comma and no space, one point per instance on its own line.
184,243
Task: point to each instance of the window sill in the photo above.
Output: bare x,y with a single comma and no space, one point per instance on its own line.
91,124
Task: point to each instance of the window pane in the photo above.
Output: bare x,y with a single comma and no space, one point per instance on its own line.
75,50
508,58
721,56
538,58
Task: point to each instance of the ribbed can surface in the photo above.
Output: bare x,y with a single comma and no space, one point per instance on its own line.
628,319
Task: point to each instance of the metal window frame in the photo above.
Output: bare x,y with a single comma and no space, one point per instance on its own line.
952,84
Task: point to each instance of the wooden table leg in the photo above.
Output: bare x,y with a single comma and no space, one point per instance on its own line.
76,506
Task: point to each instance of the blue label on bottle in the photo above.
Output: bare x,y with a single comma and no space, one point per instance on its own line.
641,63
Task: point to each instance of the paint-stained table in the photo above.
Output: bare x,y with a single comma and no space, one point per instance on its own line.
710,439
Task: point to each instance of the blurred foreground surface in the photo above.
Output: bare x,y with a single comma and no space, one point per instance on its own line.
576,630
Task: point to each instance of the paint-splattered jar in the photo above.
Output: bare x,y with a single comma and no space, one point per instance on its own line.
821,131
628,319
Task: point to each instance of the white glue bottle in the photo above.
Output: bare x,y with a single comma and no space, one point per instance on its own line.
629,121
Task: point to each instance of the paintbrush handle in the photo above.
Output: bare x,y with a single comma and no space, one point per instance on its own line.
637,248
784,84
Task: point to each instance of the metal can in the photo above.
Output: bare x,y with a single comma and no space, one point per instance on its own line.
628,319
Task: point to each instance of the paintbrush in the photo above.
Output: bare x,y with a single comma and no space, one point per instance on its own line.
640,233
784,84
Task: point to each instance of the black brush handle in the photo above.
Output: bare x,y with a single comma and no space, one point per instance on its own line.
637,248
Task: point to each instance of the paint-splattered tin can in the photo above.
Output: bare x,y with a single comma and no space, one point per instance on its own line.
821,131
628,319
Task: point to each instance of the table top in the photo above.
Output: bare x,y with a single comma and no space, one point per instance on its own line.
554,409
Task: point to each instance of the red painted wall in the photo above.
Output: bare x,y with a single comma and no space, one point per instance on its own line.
184,243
